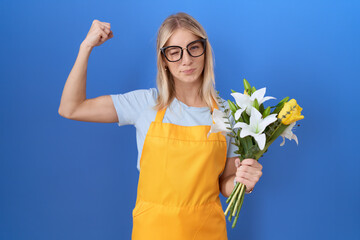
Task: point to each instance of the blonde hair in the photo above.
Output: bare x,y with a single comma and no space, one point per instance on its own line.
164,80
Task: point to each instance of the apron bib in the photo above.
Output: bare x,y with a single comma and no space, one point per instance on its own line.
178,189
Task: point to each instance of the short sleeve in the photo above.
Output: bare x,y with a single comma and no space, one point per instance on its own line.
130,105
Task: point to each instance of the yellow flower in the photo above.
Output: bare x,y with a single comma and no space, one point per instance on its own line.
291,112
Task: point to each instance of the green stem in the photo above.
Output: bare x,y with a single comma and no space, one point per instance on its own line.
238,211
243,143
231,209
279,130
232,200
238,198
230,217
232,193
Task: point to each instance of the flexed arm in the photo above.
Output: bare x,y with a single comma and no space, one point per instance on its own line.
73,104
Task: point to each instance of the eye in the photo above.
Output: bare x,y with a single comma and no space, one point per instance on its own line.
174,52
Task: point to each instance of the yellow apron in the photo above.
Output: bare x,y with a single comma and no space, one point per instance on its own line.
178,189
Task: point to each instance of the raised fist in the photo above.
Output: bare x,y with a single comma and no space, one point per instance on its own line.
98,34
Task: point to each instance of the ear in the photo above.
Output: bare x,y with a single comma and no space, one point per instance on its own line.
164,62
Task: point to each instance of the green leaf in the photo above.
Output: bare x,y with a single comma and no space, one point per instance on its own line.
280,105
266,112
245,117
284,100
261,108
232,106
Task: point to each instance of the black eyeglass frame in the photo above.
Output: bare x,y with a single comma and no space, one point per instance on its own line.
203,40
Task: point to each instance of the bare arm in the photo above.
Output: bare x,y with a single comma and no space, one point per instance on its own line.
73,104
227,178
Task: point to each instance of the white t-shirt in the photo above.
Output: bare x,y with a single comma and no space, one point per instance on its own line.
135,108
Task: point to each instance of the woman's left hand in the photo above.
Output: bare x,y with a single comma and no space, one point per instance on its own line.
248,172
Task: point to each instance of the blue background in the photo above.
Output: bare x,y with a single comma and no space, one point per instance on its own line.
65,179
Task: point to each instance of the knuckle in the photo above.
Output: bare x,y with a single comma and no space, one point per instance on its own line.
244,168
249,162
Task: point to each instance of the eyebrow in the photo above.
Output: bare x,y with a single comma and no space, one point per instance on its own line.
180,46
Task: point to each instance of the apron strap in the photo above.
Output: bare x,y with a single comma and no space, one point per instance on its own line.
161,113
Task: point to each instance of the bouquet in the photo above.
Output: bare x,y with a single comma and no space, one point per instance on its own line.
255,129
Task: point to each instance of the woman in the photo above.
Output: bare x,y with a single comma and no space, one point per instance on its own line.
182,171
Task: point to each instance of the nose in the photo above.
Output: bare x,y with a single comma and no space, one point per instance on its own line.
186,58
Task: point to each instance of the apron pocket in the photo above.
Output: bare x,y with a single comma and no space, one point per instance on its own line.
213,226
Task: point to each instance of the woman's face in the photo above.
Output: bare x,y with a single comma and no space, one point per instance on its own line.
188,69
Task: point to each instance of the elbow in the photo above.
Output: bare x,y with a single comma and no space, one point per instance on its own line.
226,195
222,188
63,114
226,185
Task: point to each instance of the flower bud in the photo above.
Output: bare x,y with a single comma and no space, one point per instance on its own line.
247,86
253,89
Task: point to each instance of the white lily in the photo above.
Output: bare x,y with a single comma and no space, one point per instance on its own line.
219,118
256,127
287,133
246,102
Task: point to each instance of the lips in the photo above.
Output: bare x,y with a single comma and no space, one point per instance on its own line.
189,71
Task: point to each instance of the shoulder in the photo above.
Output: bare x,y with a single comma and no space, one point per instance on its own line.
140,96
151,92
148,95
130,106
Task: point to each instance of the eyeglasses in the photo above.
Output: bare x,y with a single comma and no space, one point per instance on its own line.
195,49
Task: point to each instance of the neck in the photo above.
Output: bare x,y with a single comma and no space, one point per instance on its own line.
188,93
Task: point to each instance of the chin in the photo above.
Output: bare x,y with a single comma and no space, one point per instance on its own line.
190,79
